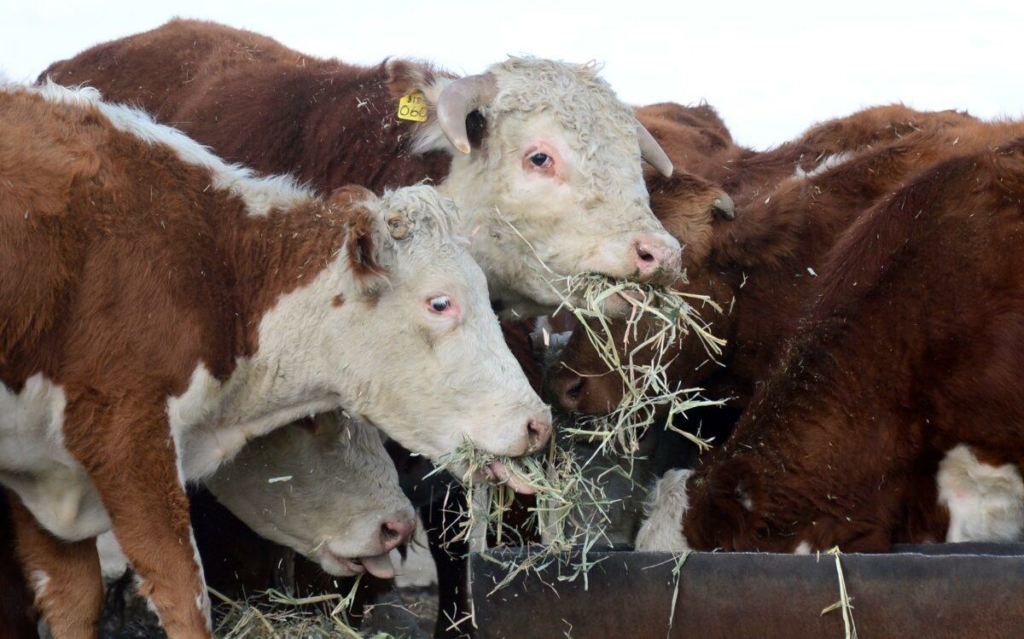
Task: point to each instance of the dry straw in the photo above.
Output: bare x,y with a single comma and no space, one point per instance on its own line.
572,509
276,615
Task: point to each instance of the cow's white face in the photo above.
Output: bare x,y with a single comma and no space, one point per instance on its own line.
552,185
413,347
325,488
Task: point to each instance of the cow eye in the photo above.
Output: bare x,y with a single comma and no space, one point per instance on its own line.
540,160
440,304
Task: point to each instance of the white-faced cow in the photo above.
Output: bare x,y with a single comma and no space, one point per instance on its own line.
160,308
324,487
545,160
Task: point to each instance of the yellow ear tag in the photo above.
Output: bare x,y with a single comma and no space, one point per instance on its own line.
413,106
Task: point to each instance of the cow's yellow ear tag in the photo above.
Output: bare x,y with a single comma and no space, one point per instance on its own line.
413,106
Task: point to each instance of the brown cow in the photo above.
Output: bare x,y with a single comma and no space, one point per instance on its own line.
544,159
184,307
761,267
911,353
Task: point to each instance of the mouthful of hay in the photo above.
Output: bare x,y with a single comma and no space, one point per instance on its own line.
571,508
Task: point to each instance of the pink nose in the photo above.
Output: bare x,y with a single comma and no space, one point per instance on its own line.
657,258
396,531
538,431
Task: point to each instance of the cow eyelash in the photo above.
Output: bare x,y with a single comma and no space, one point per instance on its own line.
439,304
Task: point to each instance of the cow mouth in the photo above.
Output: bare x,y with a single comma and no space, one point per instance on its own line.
499,473
377,565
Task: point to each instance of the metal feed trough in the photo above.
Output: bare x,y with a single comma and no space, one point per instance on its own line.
971,591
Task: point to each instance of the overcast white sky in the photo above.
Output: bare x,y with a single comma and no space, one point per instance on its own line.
771,68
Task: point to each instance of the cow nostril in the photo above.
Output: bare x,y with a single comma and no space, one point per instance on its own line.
537,432
644,254
390,531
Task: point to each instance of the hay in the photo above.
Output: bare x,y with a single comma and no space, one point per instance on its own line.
572,509
648,388
276,615
845,600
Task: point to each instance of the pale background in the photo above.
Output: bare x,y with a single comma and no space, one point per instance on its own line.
771,68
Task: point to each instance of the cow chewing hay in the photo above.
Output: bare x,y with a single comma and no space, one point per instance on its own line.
648,387
572,509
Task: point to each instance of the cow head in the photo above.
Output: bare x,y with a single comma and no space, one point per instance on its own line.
401,333
698,213
546,166
324,487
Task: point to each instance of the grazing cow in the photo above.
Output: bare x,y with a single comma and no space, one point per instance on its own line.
545,160
911,353
184,307
326,488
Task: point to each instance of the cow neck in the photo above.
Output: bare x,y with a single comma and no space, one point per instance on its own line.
275,254
813,412
763,265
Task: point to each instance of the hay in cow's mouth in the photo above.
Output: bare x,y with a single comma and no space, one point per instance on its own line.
572,509
648,389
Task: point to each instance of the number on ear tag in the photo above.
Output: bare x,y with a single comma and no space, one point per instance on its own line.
413,106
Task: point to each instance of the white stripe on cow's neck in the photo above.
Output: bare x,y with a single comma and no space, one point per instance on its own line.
260,194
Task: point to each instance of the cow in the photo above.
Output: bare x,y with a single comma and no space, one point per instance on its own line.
185,307
324,487
907,356
761,267
544,159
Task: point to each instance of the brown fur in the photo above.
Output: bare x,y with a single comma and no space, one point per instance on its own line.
257,102
920,355
148,272
72,573
757,266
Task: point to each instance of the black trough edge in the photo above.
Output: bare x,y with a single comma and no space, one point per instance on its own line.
973,591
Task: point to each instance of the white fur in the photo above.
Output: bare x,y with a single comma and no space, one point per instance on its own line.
803,548
986,503
36,465
40,580
113,561
830,162
662,531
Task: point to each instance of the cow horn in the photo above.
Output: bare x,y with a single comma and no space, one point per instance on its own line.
651,151
459,99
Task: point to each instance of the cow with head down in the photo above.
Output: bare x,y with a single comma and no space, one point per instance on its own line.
908,355
325,488
761,267
186,307
541,156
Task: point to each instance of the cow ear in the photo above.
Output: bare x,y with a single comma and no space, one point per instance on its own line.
453,121
368,242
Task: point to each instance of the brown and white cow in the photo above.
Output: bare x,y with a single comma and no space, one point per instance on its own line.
162,307
541,156
909,355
